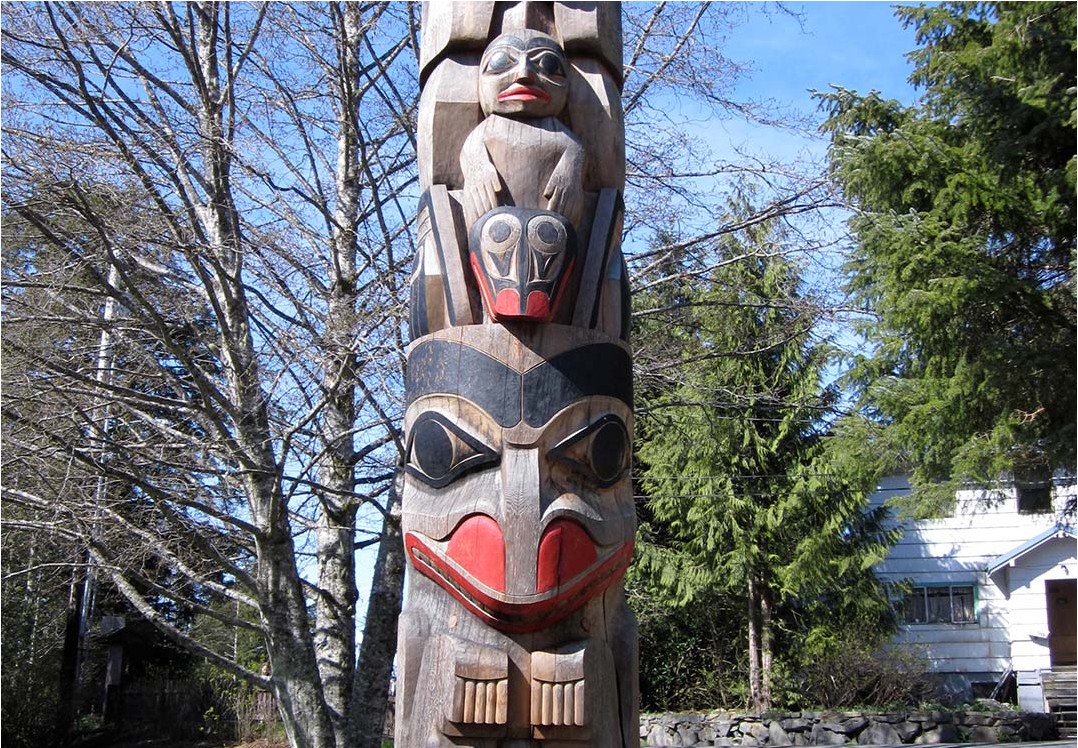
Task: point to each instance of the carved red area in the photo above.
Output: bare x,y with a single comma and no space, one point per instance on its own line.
518,614
507,304
479,547
538,306
565,550
519,91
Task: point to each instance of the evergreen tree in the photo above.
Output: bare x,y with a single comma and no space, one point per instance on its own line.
964,259
742,498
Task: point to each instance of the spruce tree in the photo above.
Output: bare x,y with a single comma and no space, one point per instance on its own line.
742,498
964,231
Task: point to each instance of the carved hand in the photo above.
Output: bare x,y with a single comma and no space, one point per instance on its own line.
481,180
563,190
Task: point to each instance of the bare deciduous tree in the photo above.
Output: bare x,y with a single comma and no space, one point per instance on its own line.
230,178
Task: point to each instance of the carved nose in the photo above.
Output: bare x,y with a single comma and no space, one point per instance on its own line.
521,516
525,72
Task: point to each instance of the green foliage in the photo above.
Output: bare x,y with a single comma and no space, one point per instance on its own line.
965,238
53,322
33,595
743,497
693,655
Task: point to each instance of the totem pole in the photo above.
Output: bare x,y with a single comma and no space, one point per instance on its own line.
518,513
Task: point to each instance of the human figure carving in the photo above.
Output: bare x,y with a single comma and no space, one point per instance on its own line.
522,154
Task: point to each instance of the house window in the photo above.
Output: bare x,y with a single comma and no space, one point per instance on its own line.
939,604
1034,498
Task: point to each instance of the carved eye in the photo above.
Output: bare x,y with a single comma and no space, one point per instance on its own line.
549,63
547,240
600,451
439,451
499,237
547,234
499,62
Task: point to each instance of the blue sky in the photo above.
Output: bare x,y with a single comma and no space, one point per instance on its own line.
859,45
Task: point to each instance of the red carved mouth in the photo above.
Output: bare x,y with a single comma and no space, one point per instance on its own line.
507,305
571,571
540,307
521,92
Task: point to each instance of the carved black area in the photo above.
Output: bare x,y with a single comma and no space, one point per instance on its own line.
626,302
418,322
602,241
442,367
609,451
522,260
588,371
439,451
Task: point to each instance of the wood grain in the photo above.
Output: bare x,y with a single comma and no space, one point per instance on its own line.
535,647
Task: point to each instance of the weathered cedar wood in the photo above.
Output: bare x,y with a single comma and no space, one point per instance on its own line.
517,509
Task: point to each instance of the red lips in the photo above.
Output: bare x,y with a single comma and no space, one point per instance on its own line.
570,570
565,551
520,92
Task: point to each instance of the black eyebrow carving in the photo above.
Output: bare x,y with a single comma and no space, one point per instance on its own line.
588,371
541,43
442,367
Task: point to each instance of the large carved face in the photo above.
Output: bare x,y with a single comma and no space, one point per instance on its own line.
523,74
518,500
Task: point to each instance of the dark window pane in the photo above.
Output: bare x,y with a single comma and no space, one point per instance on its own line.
1035,498
938,604
913,609
962,605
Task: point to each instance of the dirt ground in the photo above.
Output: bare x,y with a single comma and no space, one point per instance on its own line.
109,739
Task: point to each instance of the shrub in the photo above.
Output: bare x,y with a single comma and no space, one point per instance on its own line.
855,674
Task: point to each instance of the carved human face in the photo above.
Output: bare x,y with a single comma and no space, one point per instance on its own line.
517,498
523,74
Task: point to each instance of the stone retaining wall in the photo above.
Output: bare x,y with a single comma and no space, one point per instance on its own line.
843,728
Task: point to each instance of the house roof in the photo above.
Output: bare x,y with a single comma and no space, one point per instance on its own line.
1011,556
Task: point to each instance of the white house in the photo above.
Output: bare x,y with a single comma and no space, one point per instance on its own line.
991,588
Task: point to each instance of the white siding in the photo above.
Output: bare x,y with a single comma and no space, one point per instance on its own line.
1011,621
1027,605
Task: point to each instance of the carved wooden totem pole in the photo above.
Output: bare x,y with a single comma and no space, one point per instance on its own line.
518,513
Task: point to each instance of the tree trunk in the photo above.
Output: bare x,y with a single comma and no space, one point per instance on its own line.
295,677
764,591
754,643
69,656
335,611
371,691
